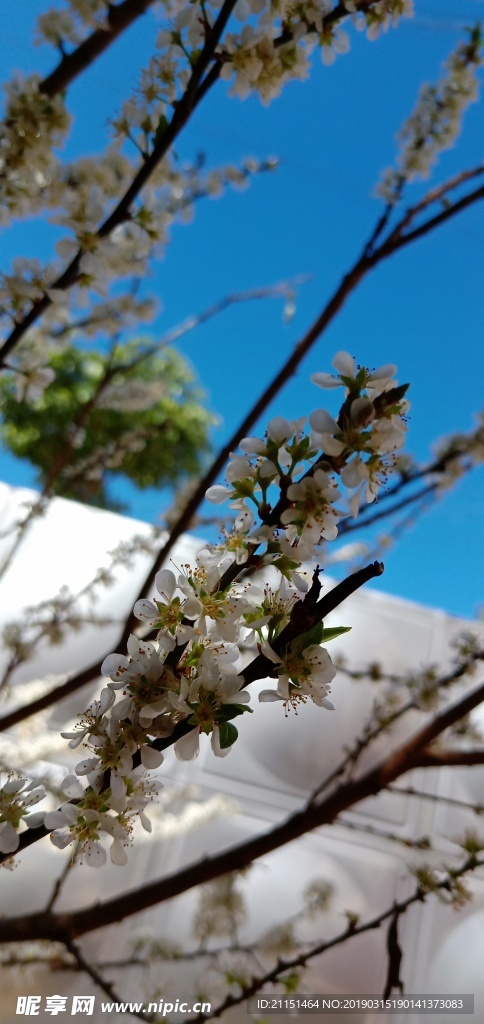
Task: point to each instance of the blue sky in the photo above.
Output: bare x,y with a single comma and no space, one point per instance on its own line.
422,310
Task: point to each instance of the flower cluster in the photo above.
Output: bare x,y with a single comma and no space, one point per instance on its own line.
263,57
359,447
276,51
71,25
271,49
17,796
34,124
436,120
186,679
90,812
301,674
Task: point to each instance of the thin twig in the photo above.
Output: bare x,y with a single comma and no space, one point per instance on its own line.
348,527
436,798
98,980
61,879
416,844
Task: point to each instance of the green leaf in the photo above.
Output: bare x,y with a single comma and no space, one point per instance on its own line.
317,635
228,734
312,636
228,711
330,634
240,709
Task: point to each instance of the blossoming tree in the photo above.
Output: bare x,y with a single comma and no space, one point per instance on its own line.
251,606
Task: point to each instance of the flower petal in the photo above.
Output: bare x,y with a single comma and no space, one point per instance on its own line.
118,853
321,421
9,838
151,758
146,611
95,855
345,364
188,746
325,380
266,696
165,583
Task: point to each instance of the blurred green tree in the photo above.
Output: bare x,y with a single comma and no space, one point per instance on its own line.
134,412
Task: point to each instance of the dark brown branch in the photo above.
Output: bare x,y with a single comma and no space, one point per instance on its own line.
411,752
435,468
60,882
350,281
119,18
395,953
398,241
439,193
348,284
305,615
52,696
58,927
441,757
94,671
423,843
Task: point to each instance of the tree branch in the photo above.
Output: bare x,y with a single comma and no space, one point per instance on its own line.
119,18
52,697
411,752
348,527
398,241
395,953
442,757
436,798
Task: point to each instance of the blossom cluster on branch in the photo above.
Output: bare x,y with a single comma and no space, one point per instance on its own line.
436,120
118,220
188,674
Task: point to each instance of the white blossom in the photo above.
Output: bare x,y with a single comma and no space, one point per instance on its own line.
308,673
17,795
